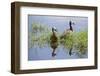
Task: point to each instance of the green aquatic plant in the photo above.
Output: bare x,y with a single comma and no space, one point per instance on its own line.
39,35
81,43
37,27
68,41
44,39
76,40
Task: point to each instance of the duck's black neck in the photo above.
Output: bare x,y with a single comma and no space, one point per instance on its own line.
70,25
54,33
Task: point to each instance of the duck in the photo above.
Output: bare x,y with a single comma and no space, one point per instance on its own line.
54,41
68,32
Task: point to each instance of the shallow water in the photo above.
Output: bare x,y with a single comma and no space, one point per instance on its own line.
45,53
61,23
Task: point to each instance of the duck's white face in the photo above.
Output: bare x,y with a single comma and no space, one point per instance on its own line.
54,29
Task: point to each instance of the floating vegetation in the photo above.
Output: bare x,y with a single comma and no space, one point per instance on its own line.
40,35
76,40
81,41
68,41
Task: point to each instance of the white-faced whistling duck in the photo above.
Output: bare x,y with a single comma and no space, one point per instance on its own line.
54,41
66,33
